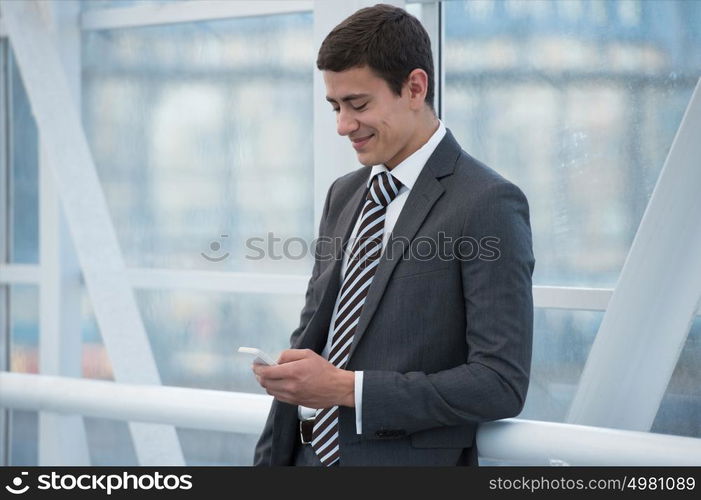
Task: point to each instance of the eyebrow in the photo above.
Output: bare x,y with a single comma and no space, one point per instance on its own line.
347,98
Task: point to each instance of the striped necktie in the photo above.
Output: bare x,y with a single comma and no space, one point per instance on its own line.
362,264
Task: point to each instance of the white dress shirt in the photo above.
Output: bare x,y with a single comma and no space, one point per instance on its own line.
406,172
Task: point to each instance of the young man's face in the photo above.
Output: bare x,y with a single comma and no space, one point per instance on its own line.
379,123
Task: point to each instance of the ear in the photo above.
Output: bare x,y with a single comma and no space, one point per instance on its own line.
417,86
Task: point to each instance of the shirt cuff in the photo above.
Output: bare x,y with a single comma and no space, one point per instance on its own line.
359,402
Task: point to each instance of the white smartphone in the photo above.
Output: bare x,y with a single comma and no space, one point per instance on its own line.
261,358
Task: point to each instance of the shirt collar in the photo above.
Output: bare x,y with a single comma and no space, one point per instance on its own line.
408,170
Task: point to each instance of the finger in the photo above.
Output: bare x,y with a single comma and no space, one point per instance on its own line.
278,387
284,371
285,399
260,369
295,355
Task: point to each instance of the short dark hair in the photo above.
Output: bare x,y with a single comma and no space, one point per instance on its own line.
387,39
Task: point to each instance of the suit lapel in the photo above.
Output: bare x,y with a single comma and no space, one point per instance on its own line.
426,191
349,215
315,335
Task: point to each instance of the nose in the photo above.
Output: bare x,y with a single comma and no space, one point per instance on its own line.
345,122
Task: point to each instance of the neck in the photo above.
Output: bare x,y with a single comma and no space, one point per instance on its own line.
429,127
425,129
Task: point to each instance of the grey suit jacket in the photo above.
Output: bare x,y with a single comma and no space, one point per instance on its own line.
444,338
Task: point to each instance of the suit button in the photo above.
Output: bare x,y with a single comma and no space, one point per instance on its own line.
381,434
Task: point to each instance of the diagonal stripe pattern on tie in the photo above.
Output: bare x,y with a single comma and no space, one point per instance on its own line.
362,264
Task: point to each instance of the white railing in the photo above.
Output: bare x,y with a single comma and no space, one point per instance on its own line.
531,442
178,406
517,441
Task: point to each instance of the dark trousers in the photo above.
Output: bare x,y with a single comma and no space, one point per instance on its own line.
304,456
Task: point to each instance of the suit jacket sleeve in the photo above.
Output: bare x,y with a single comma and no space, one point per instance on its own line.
493,381
263,449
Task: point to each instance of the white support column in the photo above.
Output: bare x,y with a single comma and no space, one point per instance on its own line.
333,154
62,438
85,207
439,50
4,292
431,18
656,298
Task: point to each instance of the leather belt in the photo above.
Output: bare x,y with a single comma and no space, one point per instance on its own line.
306,428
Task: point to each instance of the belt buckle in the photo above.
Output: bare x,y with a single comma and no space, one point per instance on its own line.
301,430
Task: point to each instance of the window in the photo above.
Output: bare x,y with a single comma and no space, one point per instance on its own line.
23,155
24,345
577,103
201,133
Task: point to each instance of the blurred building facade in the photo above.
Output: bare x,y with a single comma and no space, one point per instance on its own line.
202,136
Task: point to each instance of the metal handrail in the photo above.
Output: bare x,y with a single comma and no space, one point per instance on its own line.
513,440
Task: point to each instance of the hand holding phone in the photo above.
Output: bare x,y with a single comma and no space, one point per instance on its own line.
261,357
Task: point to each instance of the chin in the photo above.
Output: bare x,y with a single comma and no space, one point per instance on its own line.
367,161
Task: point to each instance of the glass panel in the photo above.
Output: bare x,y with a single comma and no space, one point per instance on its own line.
109,442
562,340
194,337
578,103
202,135
24,438
24,175
680,410
24,358
561,343
217,448
24,329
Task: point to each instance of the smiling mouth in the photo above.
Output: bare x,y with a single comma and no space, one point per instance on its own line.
359,143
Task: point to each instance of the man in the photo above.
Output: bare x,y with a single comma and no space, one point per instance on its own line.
405,342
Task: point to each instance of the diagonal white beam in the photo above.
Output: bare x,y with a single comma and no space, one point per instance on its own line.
85,207
656,298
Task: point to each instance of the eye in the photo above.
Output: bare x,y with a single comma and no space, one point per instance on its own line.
361,107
